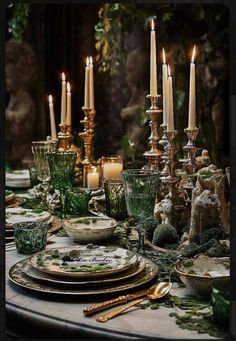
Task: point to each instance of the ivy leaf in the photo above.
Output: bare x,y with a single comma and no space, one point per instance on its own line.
140,116
127,146
180,98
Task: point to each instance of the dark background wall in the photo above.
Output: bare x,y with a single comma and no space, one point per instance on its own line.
63,35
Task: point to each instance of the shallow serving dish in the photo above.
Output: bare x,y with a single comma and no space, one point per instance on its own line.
90,229
200,273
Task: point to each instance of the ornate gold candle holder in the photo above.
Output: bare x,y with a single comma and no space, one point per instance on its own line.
64,137
170,148
155,153
190,162
87,136
164,142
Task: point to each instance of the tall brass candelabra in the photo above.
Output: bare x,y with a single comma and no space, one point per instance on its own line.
170,150
64,137
87,136
190,161
155,153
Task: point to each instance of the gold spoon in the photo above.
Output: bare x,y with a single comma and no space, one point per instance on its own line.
156,291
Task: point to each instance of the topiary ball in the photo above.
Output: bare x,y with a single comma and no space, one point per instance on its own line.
165,234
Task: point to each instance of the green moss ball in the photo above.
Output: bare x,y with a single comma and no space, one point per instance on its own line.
165,234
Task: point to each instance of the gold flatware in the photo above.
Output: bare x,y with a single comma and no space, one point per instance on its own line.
157,291
94,308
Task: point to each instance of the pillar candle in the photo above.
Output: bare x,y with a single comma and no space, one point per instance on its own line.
153,66
68,105
192,94
63,98
86,84
112,170
170,117
52,119
93,179
91,84
164,87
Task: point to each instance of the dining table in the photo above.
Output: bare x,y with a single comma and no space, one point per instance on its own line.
36,314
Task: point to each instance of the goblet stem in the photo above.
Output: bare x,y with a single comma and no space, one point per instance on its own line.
45,185
63,201
141,237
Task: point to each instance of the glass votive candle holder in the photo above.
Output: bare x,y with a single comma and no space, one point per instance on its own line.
115,199
77,200
112,167
93,177
30,236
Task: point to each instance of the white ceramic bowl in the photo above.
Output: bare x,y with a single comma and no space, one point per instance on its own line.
200,273
90,229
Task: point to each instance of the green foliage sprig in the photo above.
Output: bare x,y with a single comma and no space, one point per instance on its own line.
18,20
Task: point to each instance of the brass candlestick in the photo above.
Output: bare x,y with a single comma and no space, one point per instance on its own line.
64,137
154,154
87,136
170,148
164,142
190,162
173,205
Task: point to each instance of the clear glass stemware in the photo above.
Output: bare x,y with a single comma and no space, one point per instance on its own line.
40,150
140,187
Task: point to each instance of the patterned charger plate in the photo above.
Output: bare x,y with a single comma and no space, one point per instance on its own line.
17,276
41,276
83,261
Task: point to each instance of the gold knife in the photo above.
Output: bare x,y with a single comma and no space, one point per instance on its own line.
92,309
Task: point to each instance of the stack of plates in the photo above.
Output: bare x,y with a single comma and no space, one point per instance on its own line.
12,200
9,196
18,178
18,215
83,270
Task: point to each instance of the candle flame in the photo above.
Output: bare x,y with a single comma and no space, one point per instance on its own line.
168,69
50,99
152,25
68,87
193,54
63,76
94,169
164,55
90,60
87,61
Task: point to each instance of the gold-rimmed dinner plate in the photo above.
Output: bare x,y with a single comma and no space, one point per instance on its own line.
41,276
9,195
19,214
15,202
83,261
17,276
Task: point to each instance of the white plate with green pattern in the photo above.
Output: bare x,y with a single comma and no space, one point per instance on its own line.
18,215
44,277
83,261
17,276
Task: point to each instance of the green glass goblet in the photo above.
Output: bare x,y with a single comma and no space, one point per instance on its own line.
140,188
62,171
40,150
